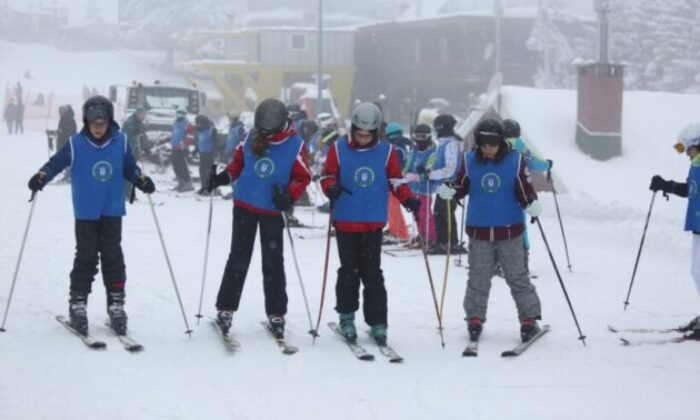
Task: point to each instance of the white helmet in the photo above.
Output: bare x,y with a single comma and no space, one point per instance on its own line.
688,137
325,120
367,116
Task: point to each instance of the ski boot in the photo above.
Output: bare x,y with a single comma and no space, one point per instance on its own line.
474,327
115,310
528,329
224,318
294,222
378,332
276,325
347,326
77,312
692,325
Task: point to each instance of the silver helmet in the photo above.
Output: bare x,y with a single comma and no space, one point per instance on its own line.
367,116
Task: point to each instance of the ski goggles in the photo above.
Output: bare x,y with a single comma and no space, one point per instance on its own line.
680,147
491,139
97,112
421,136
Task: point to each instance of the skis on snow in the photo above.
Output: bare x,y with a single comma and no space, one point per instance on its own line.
387,351
472,349
653,341
355,348
129,343
89,341
520,348
281,342
230,343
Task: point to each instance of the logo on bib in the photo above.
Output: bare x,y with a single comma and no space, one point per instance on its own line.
364,177
692,188
264,168
102,171
490,182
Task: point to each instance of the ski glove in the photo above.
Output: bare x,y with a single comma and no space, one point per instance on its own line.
446,191
333,192
422,170
218,180
660,184
37,182
145,184
282,200
534,209
412,204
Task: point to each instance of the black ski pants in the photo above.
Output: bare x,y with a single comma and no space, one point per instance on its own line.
98,241
441,220
205,162
360,261
180,168
245,226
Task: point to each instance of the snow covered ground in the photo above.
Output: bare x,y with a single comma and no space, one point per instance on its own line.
48,373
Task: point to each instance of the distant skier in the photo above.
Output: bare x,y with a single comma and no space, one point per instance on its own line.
10,115
236,133
447,157
359,174
420,160
271,172
498,183
688,142
99,159
182,131
134,129
66,129
205,135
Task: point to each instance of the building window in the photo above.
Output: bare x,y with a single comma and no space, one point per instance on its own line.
298,42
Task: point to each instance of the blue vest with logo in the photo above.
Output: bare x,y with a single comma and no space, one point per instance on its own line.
492,198
97,177
421,158
205,140
179,132
363,173
255,186
692,215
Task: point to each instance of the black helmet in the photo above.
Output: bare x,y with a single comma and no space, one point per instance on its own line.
422,132
96,108
270,116
201,121
444,125
489,131
293,109
512,128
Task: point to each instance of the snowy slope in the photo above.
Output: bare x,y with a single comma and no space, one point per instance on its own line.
48,373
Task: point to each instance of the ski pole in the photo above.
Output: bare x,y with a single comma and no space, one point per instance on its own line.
314,332
639,252
206,247
19,259
561,282
447,260
423,248
188,331
301,281
561,225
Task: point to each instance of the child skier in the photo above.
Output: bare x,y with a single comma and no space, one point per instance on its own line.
420,160
271,172
688,142
359,173
99,159
494,223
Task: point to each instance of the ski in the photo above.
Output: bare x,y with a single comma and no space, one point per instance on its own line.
471,350
129,343
356,349
628,342
520,348
281,342
87,339
231,343
387,351
642,330
400,253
